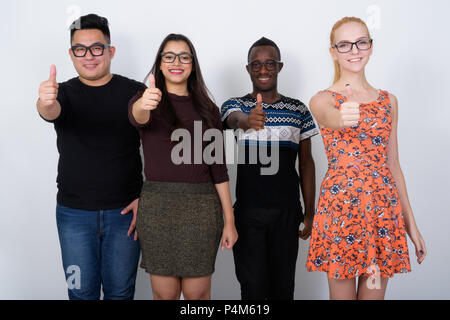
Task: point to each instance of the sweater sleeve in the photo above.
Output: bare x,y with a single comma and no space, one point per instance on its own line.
228,107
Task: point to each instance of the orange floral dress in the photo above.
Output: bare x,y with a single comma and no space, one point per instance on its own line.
358,226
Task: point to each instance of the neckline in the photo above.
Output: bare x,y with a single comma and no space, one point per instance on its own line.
102,86
176,97
277,101
380,93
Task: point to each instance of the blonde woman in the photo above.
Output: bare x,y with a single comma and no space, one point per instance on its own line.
363,214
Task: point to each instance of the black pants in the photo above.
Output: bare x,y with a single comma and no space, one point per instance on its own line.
266,252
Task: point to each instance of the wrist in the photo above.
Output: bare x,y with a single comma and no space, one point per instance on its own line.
138,105
229,219
410,223
48,108
309,215
244,122
341,124
44,106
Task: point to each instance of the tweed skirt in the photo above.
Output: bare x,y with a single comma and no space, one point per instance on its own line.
179,226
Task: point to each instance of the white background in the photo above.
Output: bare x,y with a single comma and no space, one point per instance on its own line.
410,60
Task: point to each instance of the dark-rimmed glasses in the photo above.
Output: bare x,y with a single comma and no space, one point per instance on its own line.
346,46
270,64
96,49
170,57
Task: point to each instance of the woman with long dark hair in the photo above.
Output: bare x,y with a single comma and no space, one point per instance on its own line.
180,222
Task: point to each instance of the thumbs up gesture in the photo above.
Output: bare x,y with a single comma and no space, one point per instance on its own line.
151,97
349,110
48,90
257,117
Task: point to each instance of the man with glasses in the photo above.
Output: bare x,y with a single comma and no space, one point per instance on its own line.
268,211
99,170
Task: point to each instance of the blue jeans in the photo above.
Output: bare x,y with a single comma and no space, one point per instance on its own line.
96,251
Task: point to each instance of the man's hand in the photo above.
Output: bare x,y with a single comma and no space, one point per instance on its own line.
257,117
48,90
306,232
132,207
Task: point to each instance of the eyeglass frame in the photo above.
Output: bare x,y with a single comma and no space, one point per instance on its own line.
177,56
263,63
89,48
335,46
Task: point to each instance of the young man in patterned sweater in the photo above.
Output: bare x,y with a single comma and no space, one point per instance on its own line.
268,211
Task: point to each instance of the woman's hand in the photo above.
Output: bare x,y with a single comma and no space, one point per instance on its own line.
229,236
350,114
151,97
419,243
229,233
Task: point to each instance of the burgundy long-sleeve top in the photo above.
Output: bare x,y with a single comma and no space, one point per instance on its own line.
157,145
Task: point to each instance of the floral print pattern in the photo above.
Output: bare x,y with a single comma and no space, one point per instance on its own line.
358,226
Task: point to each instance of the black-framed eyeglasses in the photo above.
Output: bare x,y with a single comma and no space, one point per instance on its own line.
170,57
96,49
345,46
269,64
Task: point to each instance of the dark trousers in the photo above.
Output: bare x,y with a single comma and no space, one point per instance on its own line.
265,254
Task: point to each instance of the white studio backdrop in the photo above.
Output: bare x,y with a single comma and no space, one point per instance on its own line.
410,60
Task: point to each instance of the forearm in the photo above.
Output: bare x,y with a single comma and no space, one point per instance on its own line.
332,119
141,116
49,113
308,186
399,179
223,190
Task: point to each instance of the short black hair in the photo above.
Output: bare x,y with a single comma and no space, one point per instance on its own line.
91,21
264,42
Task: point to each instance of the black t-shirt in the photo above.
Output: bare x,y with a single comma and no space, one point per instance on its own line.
99,165
288,123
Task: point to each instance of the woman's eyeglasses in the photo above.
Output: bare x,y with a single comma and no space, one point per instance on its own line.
184,57
345,46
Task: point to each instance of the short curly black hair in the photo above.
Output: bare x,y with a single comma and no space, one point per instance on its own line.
264,42
91,21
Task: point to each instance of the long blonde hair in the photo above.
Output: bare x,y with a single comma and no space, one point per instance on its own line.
337,68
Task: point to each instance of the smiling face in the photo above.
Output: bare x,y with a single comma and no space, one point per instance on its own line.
176,73
355,60
92,68
264,80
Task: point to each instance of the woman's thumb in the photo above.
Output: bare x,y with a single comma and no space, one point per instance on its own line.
348,89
